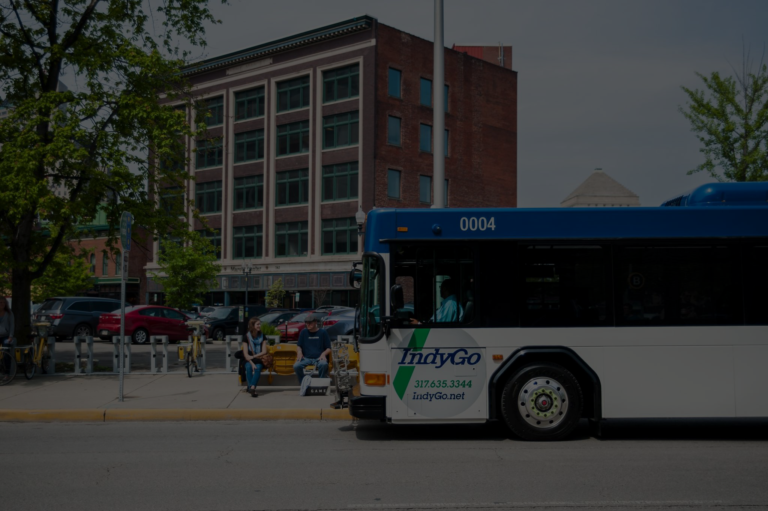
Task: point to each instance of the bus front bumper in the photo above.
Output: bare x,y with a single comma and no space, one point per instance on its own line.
367,407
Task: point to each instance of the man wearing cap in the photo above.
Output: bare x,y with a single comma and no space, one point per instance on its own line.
314,346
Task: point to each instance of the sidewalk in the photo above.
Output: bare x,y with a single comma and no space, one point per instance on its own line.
174,397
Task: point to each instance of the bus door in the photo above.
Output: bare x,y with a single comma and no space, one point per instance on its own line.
438,369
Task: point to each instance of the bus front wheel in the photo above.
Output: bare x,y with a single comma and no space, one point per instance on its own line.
542,402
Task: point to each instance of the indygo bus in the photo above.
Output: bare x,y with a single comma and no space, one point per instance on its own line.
563,314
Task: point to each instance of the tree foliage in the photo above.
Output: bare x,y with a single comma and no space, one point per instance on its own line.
730,118
275,294
92,143
68,274
187,270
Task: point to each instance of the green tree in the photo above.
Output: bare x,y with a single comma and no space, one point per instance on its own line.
187,270
67,275
730,118
97,144
275,294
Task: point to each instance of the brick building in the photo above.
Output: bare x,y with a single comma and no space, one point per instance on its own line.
305,130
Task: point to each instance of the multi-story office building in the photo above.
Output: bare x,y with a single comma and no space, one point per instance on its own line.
306,130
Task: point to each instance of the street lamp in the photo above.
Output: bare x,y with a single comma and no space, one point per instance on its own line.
360,219
247,269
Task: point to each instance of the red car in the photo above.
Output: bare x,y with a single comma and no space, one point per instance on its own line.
143,321
290,330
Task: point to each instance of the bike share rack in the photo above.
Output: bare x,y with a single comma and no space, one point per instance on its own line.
229,366
153,360
77,340
116,354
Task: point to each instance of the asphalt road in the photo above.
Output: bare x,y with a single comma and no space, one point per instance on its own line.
368,465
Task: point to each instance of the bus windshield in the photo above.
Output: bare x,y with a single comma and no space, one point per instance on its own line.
370,291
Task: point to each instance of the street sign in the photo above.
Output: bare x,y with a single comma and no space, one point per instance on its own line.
125,230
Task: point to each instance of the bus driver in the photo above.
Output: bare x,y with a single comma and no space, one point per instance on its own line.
450,311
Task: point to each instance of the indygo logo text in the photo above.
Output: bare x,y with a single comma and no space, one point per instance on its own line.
438,358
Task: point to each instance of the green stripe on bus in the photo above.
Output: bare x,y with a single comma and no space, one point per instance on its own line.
404,373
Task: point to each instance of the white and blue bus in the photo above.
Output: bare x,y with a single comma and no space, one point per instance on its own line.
542,317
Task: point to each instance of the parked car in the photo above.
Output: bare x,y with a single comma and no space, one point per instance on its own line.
223,321
277,318
143,321
342,323
332,307
74,315
290,330
191,314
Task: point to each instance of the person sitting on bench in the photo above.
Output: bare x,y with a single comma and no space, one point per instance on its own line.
314,347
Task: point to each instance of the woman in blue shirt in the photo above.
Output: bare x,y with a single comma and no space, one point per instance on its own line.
254,347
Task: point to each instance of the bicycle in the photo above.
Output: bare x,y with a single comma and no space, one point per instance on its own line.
38,354
7,365
194,357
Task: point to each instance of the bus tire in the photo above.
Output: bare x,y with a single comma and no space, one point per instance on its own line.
542,402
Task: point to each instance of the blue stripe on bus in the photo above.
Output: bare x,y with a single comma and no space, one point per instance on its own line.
564,224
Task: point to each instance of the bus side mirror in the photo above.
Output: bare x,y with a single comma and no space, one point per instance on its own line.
355,278
396,298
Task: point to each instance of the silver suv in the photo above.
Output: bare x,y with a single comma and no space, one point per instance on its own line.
74,315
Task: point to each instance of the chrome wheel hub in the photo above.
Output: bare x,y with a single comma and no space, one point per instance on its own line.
543,402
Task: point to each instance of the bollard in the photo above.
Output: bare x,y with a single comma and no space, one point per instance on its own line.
153,360
165,354
230,353
89,344
76,340
78,353
116,354
52,351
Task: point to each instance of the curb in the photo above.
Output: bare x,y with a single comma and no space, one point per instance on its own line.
149,415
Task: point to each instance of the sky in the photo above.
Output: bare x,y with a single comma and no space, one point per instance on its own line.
599,82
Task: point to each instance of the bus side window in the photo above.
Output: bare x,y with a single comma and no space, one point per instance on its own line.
495,303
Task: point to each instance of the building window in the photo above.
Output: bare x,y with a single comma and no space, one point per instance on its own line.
445,194
249,146
425,92
118,265
291,239
210,153
425,189
341,83
393,184
104,264
214,235
172,200
393,85
293,138
425,138
393,130
445,143
340,181
212,110
248,242
339,236
208,197
249,192
445,98
249,104
292,187
93,264
340,130
293,94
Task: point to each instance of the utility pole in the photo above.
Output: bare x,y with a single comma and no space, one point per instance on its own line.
438,111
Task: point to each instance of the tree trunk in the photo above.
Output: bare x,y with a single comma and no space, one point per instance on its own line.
22,294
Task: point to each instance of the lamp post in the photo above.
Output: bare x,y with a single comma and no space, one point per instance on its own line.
360,219
247,269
